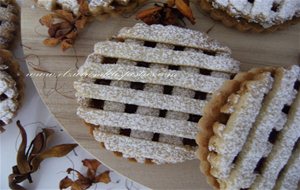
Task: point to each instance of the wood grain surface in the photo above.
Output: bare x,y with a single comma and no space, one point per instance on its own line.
253,50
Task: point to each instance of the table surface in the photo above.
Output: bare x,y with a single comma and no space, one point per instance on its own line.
253,50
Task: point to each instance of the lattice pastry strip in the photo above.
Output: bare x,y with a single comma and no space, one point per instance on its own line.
289,177
281,150
154,113
148,149
263,152
256,146
114,106
238,125
146,111
172,35
164,56
163,77
146,123
131,96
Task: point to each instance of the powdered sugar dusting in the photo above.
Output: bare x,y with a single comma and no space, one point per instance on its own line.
238,126
8,89
146,94
172,35
257,143
132,147
164,56
265,12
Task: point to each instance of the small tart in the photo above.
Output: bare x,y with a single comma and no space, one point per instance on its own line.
144,91
254,15
250,131
11,88
8,22
96,7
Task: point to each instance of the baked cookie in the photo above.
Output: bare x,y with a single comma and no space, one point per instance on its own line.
250,131
8,22
11,87
143,92
254,15
96,7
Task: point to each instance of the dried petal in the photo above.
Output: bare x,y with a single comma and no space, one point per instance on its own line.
104,177
52,30
92,166
65,183
56,151
72,35
51,42
66,44
152,19
62,33
61,29
79,175
148,12
65,25
185,10
66,15
2,129
13,182
82,184
47,20
84,7
22,162
36,145
81,23
170,3
76,186
48,134
171,17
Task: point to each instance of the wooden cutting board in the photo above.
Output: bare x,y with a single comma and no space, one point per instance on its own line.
253,50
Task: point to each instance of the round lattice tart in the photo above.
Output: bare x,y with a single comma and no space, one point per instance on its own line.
96,7
8,20
11,87
143,92
254,15
250,131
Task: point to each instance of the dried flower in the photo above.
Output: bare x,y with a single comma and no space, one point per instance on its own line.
84,182
28,161
170,13
64,26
